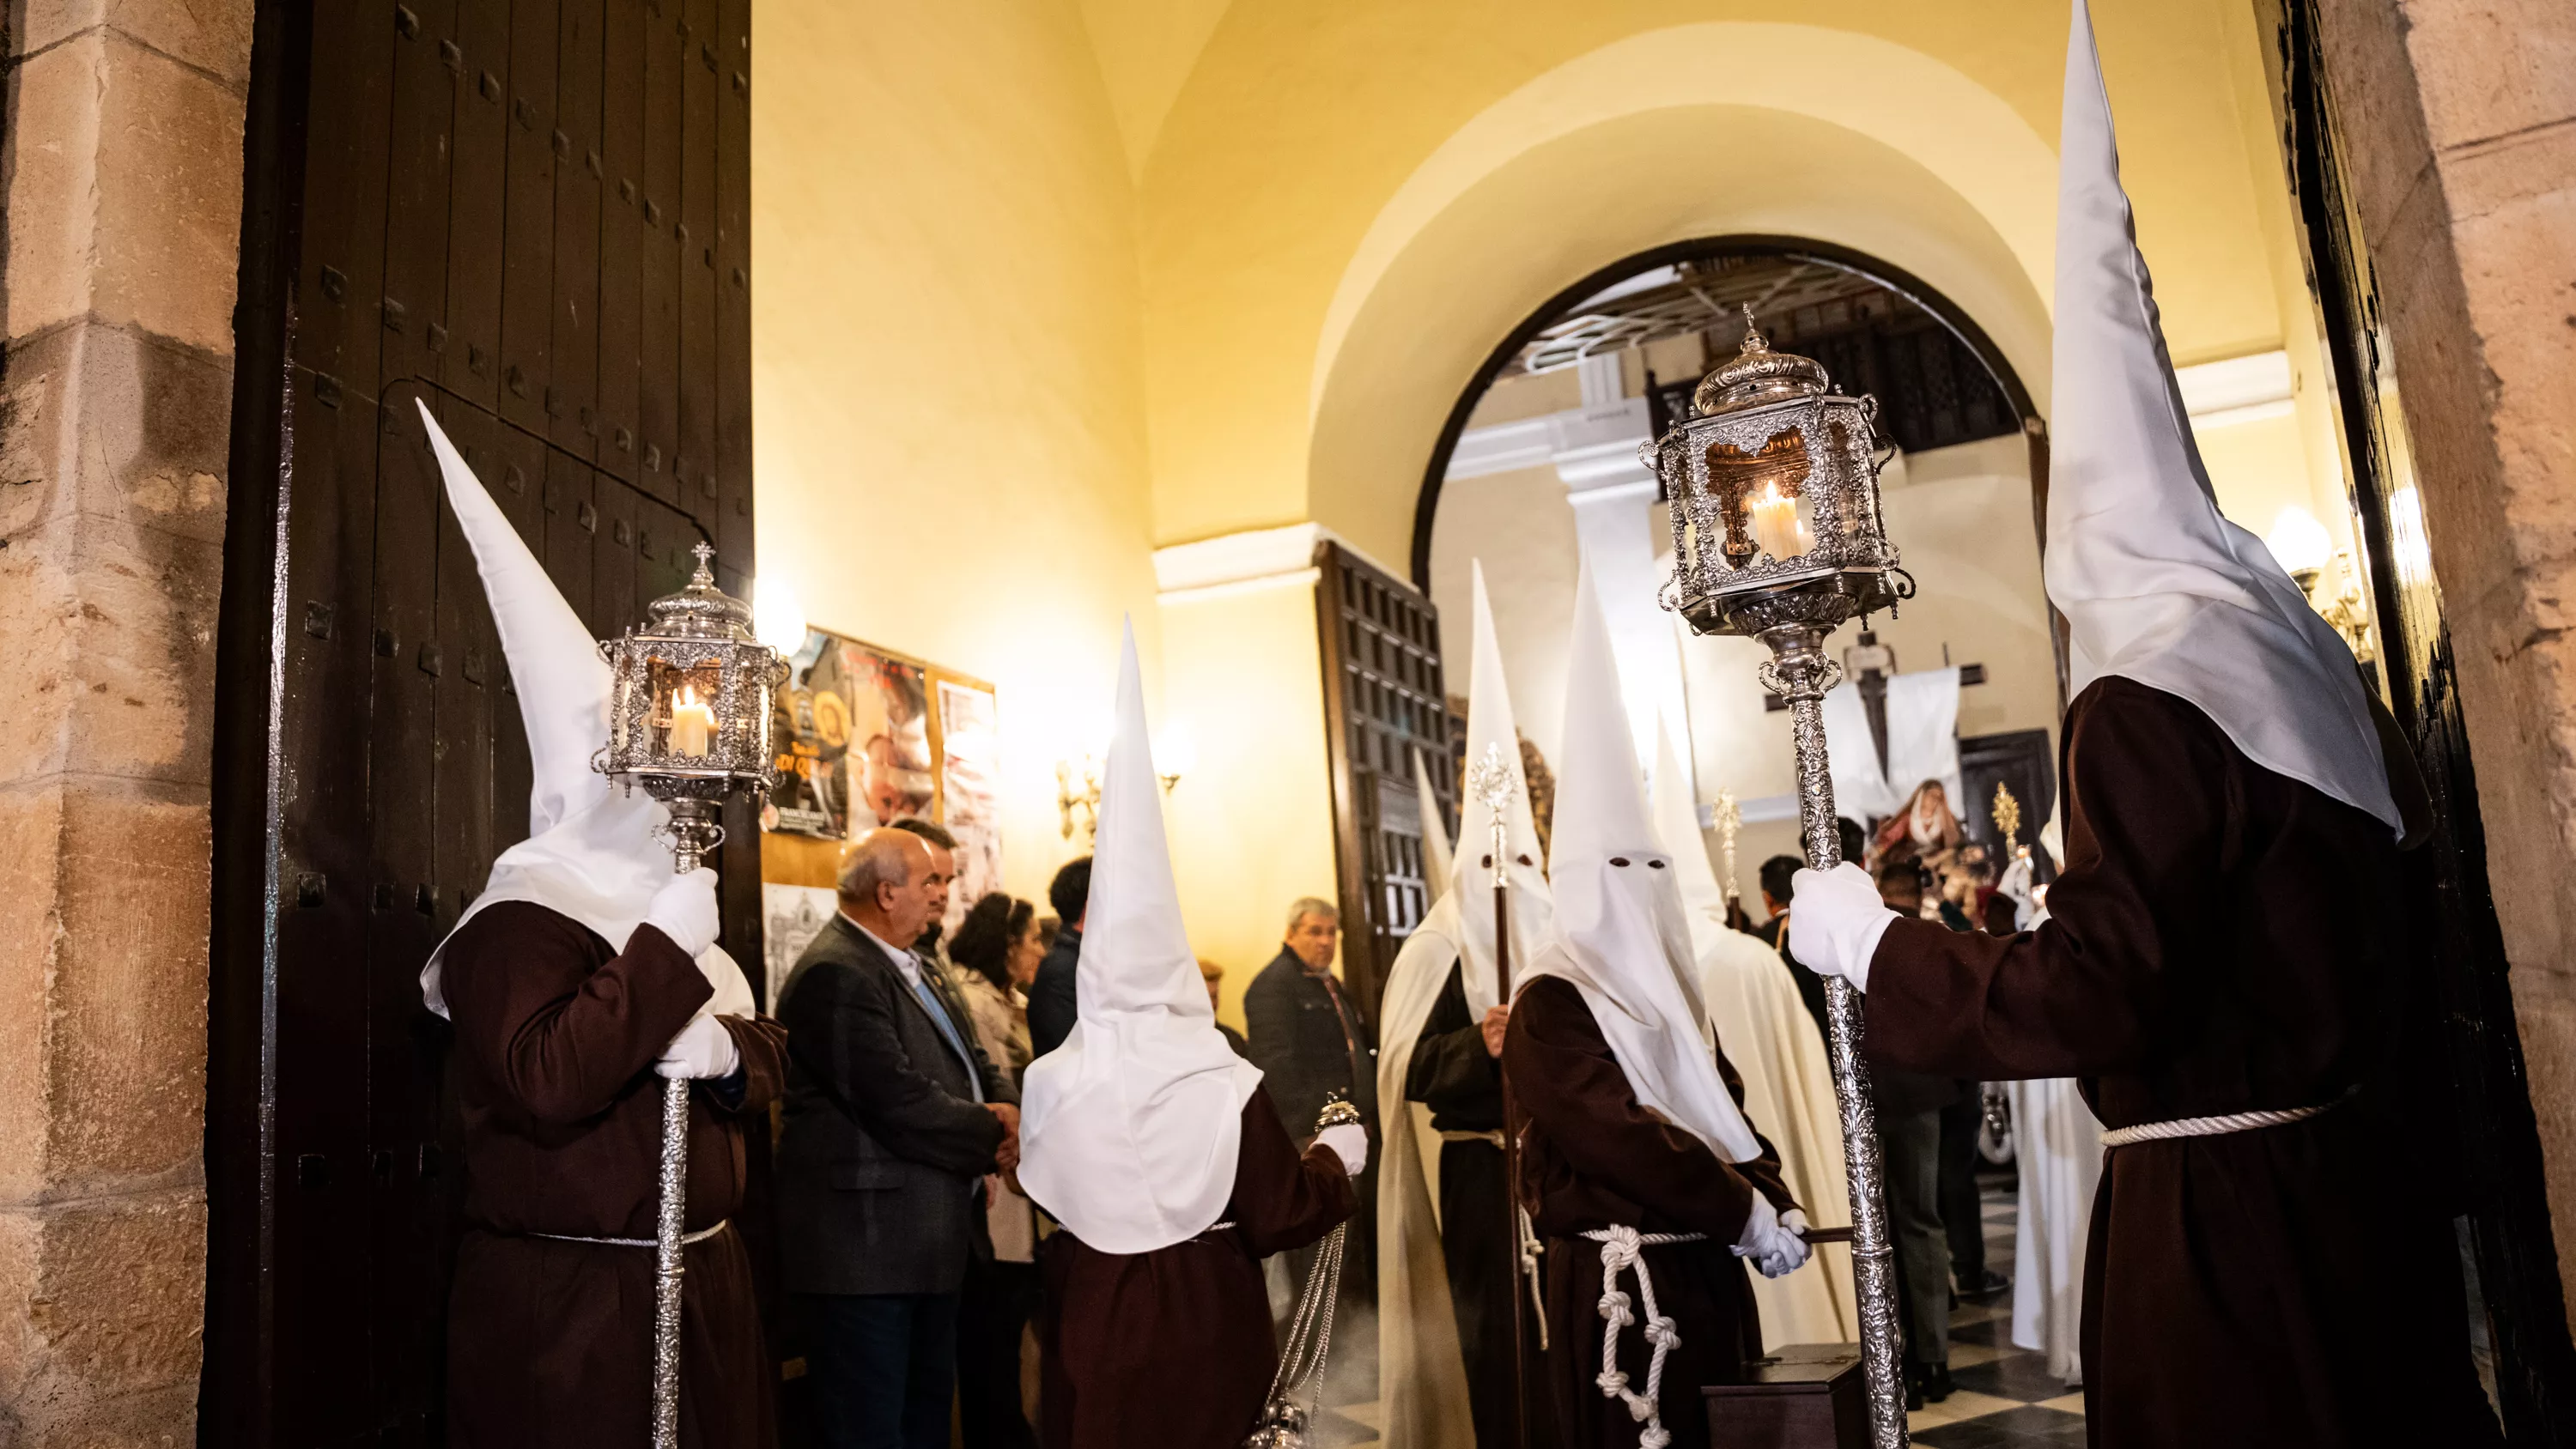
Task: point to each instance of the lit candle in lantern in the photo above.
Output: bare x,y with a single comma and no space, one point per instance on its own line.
1774,516
692,723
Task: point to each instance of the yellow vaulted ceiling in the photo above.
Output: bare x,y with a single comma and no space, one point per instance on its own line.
1287,179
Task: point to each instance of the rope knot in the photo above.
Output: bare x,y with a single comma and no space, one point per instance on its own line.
1622,1250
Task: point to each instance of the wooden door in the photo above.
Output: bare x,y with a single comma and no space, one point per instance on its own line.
2473,1050
529,215
1383,702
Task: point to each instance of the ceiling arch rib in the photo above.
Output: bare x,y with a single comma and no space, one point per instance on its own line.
1983,150
1550,216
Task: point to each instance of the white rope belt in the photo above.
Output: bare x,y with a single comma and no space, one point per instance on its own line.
1621,1248
700,1236
1493,1139
2218,1126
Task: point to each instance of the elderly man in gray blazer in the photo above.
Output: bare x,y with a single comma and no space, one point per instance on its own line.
894,1116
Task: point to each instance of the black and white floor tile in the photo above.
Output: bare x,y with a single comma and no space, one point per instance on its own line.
2006,1397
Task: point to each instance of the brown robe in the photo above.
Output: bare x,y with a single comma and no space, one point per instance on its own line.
2223,939
1592,1156
549,1342
1174,1347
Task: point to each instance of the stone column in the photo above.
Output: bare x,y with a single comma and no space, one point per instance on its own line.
122,171
2460,118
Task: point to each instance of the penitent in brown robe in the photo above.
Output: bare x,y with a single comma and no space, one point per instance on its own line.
1592,1156
1174,1347
2223,939
550,1343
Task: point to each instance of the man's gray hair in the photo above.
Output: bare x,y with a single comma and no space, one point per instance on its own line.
1312,906
875,859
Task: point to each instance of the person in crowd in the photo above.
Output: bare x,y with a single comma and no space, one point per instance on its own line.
943,879
1051,996
1446,1301
995,955
1629,1118
1777,1054
1313,1045
894,1118
1307,1035
1214,975
1774,876
2233,954
1910,1109
1159,1151
583,976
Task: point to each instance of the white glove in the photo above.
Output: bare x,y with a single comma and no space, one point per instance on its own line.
1349,1142
1771,1239
685,911
1759,1225
1788,1248
1835,920
702,1051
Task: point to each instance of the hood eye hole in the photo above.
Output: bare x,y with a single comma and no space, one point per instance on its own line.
1618,860
1654,865
1523,859
1489,860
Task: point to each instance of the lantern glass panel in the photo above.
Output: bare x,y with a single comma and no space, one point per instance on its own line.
1762,497
684,706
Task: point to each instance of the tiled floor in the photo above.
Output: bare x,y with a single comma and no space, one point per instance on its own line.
2006,1398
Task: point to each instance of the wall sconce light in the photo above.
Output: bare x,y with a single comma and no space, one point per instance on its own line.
1077,796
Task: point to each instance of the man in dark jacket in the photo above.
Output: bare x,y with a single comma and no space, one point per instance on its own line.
894,1115
1307,1034
1051,1000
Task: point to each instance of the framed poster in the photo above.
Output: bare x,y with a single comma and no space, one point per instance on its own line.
853,726
866,737
970,789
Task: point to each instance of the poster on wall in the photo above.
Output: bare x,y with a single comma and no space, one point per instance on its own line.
793,916
853,726
970,790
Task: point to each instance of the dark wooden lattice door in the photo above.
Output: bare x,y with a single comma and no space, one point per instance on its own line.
1383,702
531,216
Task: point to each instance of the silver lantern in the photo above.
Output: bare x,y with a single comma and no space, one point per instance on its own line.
1777,535
688,719
688,714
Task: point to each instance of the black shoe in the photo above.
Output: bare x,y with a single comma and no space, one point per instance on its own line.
1988,1283
1937,1385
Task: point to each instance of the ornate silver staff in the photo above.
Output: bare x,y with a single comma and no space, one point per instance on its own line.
1730,820
1776,535
688,719
1492,779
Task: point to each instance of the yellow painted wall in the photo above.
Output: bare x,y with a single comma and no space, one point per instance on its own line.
946,380
1252,825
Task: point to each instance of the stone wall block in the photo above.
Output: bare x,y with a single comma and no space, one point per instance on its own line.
168,241
113,1301
31,830
39,615
2374,88
112,633
212,38
125,1067
2492,67
49,168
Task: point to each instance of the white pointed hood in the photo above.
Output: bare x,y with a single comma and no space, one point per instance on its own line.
1439,861
1677,825
1619,931
590,852
1129,1130
2158,586
1490,725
